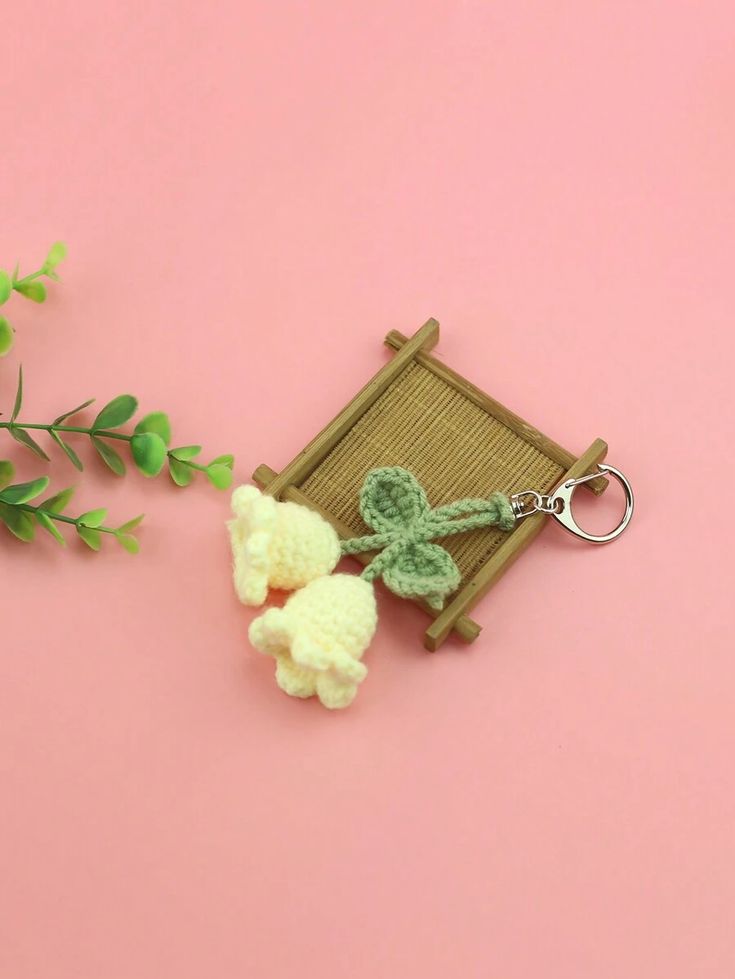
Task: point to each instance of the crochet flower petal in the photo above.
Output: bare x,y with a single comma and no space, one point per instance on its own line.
420,570
318,638
251,533
277,545
392,499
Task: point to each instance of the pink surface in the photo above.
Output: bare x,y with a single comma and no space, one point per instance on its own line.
253,194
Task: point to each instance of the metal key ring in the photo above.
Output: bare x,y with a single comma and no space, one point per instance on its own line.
561,500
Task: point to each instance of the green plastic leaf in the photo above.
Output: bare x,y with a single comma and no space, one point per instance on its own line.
18,522
129,542
392,499
6,336
74,411
20,435
118,411
225,460
91,537
417,569
73,457
130,524
111,457
219,476
56,254
181,474
35,290
149,452
18,395
92,518
59,501
186,452
7,471
47,523
23,492
157,422
6,286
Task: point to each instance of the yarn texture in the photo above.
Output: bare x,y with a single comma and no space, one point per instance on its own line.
277,545
394,503
319,637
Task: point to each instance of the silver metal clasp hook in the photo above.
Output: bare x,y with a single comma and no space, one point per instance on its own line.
559,504
561,499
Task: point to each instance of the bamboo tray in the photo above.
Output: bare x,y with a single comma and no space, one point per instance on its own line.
457,441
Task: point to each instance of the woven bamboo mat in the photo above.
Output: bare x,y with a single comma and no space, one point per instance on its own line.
452,446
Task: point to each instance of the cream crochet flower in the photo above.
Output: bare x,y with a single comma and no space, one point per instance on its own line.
277,545
318,638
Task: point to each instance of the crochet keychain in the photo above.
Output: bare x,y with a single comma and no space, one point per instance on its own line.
319,637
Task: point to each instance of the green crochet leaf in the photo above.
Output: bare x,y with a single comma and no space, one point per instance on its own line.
415,569
392,499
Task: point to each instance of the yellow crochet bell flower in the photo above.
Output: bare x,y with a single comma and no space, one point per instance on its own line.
277,545
318,638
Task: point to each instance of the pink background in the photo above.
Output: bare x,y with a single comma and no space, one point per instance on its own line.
253,194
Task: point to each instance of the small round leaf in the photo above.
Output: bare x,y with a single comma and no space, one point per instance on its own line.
109,456
130,524
47,523
6,286
129,542
56,254
59,502
23,492
18,403
181,474
186,451
116,412
70,453
91,537
6,336
158,422
219,476
35,290
149,452
18,522
68,414
92,518
22,436
7,471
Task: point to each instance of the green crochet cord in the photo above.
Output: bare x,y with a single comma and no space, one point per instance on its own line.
394,504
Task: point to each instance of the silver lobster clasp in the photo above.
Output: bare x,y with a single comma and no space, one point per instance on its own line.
560,505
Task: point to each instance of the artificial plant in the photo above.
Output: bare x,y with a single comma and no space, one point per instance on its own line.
29,286
149,444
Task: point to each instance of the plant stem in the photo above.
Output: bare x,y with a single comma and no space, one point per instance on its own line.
97,433
78,429
58,516
29,278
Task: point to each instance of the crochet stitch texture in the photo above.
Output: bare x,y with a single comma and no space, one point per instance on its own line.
394,503
277,545
319,637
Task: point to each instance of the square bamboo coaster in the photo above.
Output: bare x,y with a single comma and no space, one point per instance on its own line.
457,441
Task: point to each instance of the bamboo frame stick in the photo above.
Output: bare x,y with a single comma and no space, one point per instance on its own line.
514,422
264,476
309,458
504,556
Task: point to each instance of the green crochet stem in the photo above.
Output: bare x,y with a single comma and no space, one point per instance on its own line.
493,512
393,503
